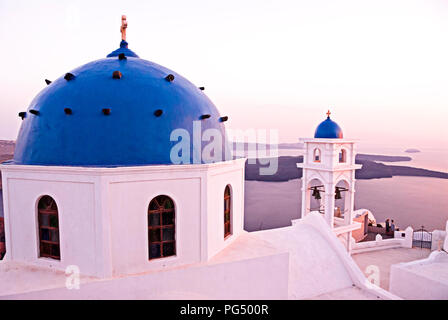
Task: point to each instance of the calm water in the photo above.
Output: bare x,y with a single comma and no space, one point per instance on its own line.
407,200
414,201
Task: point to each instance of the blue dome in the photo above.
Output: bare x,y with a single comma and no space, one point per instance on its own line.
328,129
94,119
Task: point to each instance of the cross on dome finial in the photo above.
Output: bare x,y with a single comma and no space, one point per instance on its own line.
328,113
124,25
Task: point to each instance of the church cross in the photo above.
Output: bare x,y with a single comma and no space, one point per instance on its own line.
124,25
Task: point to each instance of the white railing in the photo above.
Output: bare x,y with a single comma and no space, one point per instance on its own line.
346,228
402,240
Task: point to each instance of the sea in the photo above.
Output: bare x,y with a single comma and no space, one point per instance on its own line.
419,202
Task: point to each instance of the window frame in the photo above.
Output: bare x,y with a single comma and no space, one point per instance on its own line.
317,152
49,211
227,211
342,157
161,211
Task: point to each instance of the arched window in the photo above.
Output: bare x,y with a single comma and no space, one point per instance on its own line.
48,228
316,155
343,156
227,207
161,228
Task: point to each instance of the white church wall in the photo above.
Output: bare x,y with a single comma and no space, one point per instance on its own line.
128,205
329,150
198,195
103,213
350,153
218,179
78,219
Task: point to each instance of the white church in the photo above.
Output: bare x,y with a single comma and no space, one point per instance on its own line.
95,207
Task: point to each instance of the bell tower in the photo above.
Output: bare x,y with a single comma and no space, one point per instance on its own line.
328,179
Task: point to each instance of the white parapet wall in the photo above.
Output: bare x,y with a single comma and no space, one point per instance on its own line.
403,239
315,249
421,279
246,269
445,245
437,239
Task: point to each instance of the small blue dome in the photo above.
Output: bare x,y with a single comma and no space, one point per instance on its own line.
123,49
91,118
328,129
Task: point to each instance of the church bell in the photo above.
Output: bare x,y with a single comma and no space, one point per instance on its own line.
338,194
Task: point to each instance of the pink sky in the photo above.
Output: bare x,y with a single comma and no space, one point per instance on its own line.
381,66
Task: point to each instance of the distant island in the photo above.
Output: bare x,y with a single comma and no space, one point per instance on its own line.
287,169
6,150
246,145
381,158
412,150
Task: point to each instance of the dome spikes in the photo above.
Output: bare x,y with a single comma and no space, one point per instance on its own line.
223,119
35,112
122,56
202,88
68,76
22,115
106,111
48,82
117,75
158,112
169,78
204,116
68,111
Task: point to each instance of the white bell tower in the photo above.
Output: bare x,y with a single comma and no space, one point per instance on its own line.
328,179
